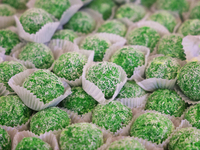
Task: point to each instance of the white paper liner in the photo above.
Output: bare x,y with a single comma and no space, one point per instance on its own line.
13,29
1,60
47,137
28,98
2,50
6,21
86,2
42,36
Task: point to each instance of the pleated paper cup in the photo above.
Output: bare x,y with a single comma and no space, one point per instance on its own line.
6,21
47,137
86,2
16,47
2,50
1,59
29,98
13,29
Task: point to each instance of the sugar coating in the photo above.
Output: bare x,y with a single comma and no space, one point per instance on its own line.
68,35
18,4
34,19
130,11
185,139
144,36
195,13
131,90
167,102
112,116
106,76
81,22
128,58
45,85
163,67
171,45
13,111
6,10
5,141
114,27
147,3
9,69
188,80
81,136
50,119
32,143
37,53
70,65
79,101
164,18
98,44
153,127
190,27
126,144
8,40
104,7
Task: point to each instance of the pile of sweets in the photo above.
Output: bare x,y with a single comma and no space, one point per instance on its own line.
99,50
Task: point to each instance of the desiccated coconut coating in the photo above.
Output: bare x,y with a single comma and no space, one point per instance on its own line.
5,141
153,127
50,119
13,111
18,4
106,76
112,116
81,136
144,36
147,3
6,10
163,67
128,58
45,85
68,35
34,19
37,53
195,12
70,65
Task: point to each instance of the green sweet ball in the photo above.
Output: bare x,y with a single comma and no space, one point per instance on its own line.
6,10
79,101
113,27
112,116
81,136
68,35
188,80
97,44
147,3
9,69
153,127
130,11
49,119
32,143
164,18
13,111
128,58
163,67
5,141
126,144
167,102
131,90
54,7
190,27
8,40
144,36
171,45
81,22
18,4
185,139
195,12
106,76
104,7
70,65
34,19
173,5
45,85
37,53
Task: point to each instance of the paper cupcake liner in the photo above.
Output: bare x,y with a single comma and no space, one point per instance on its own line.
1,60
28,98
6,21
2,50
13,29
42,36
47,137
86,2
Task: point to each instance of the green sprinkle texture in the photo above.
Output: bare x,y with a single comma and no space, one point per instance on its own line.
13,111
147,3
112,116
34,19
66,34
194,13
81,136
163,67
18,4
144,36
6,10
5,141
153,127
50,119
45,85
